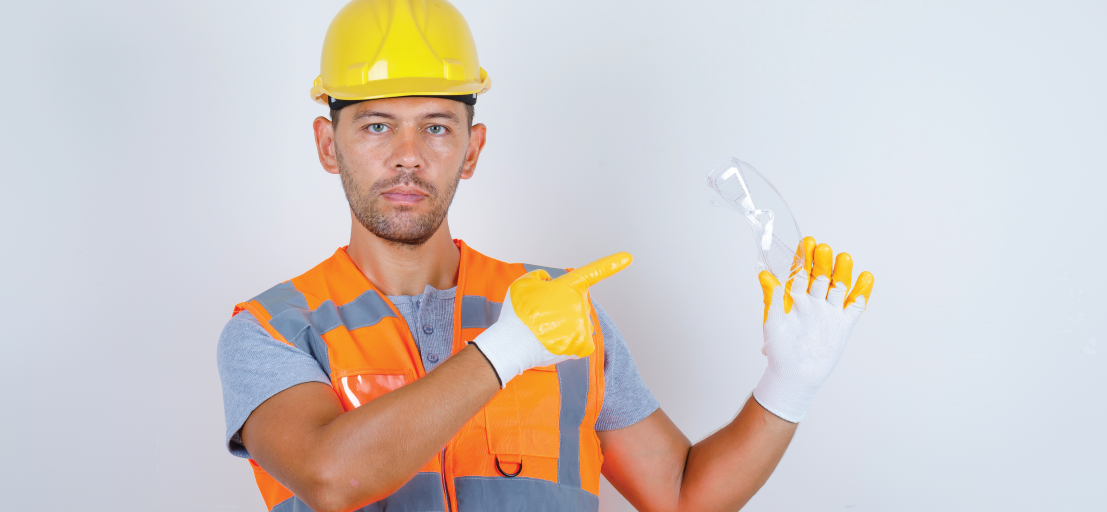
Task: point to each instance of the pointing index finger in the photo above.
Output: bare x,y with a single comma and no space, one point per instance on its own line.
592,273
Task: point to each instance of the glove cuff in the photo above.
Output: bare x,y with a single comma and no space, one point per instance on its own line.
505,347
489,364
787,398
511,348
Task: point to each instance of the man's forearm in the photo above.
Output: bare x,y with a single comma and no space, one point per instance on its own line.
367,453
727,468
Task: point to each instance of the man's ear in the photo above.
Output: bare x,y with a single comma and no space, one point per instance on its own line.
477,138
325,144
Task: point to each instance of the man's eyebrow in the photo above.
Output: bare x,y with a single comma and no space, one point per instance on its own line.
443,115
433,115
372,113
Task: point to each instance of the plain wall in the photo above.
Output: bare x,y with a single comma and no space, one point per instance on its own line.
158,167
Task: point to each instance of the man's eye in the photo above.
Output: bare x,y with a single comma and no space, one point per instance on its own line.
436,130
378,127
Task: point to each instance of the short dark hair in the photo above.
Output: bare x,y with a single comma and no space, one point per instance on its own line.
470,111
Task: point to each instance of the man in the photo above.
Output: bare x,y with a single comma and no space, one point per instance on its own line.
410,372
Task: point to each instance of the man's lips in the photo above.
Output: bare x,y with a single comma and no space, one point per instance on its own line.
404,195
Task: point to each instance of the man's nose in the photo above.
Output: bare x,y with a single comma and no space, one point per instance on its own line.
408,153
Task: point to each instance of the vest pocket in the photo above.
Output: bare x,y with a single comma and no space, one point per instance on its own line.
357,387
522,422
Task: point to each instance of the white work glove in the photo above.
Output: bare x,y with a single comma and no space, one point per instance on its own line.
806,331
545,321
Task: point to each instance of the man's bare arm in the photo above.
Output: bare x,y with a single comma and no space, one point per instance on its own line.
335,461
656,468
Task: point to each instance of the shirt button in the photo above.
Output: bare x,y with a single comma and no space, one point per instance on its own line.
428,329
433,358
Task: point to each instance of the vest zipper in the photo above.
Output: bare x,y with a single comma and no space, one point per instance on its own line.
445,486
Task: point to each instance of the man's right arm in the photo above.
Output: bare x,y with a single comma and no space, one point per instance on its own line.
339,461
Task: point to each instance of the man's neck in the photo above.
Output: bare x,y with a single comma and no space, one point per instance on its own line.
403,269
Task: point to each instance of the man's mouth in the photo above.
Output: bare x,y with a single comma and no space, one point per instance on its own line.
404,195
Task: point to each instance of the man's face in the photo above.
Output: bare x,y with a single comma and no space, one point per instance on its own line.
400,160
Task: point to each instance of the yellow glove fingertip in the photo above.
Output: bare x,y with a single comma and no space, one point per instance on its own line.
822,261
863,288
769,282
580,279
843,270
808,247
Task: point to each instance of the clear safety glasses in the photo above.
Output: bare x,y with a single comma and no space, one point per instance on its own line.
775,231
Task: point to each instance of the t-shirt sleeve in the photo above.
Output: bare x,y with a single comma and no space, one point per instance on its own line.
626,399
254,366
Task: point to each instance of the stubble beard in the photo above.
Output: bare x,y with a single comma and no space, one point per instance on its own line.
402,226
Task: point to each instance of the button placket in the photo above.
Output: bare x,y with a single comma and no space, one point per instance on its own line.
420,317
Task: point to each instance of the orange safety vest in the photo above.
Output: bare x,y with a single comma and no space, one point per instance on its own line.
533,447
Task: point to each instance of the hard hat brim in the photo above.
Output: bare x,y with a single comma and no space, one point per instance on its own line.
407,86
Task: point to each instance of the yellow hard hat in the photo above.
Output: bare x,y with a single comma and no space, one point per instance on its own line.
388,48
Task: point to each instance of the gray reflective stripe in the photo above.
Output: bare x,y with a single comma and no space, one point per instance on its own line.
292,504
498,494
304,328
368,309
297,330
572,377
423,493
280,298
288,307
324,318
479,312
553,272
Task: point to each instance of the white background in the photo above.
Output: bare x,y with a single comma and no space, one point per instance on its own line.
158,167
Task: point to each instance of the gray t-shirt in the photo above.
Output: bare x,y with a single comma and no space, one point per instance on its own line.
254,366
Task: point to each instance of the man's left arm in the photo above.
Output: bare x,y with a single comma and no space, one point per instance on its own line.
655,467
